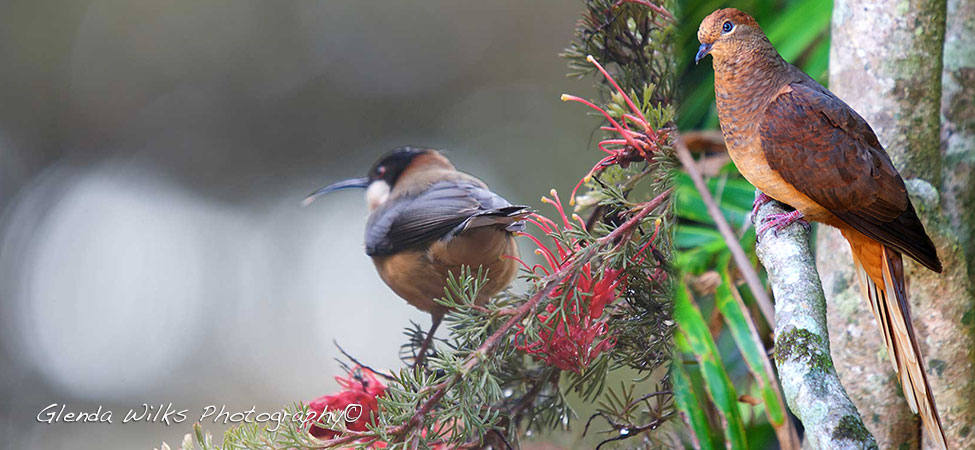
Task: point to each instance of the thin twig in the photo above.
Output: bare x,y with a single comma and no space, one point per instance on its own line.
649,396
357,362
529,398
627,431
741,260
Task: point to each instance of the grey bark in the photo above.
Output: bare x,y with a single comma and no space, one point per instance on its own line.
958,123
888,60
802,355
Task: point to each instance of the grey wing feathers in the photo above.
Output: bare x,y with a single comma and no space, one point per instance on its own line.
442,211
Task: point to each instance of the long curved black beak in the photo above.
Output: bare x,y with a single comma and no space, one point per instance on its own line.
702,51
361,183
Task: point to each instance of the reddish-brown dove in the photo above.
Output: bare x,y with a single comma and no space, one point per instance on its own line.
801,145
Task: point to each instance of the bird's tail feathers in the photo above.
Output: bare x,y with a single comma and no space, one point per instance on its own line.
892,312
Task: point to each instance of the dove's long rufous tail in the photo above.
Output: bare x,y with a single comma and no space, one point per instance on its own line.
880,271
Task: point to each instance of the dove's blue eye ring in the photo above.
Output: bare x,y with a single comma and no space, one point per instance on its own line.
727,27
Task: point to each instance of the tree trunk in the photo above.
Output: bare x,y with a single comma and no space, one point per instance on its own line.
958,125
886,61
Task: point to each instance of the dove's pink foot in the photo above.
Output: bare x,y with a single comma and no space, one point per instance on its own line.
779,221
759,201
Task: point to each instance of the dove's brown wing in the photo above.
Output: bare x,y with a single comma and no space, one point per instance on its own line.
824,149
828,152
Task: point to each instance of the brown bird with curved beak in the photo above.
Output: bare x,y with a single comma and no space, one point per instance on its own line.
801,145
427,220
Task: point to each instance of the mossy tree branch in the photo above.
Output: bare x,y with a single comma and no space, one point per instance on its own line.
812,388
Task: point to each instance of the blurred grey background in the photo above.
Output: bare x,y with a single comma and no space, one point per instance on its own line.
153,155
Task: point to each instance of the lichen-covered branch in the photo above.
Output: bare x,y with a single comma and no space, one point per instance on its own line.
810,383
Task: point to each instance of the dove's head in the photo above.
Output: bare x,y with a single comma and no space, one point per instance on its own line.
730,33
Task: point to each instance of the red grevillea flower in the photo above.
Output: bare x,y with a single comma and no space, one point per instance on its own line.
355,404
632,144
570,341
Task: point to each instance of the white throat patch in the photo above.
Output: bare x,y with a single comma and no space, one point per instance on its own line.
376,194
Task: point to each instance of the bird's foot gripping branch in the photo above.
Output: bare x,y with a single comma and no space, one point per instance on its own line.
809,381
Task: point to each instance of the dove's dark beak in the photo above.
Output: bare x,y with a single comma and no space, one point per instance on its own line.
702,51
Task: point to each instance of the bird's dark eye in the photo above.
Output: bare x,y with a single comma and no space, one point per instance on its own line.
726,28
380,170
